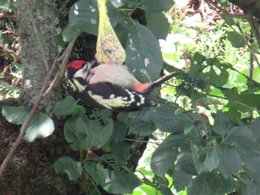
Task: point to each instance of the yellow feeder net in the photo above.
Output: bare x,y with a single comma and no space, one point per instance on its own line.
109,49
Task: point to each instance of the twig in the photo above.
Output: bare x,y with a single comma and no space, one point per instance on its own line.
26,123
56,82
163,79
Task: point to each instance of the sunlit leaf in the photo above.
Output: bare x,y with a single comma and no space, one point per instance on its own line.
121,182
236,39
41,126
15,115
144,56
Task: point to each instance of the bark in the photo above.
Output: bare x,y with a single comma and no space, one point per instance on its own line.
31,169
44,16
251,7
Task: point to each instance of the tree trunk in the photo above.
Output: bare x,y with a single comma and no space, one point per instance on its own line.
37,22
31,169
251,7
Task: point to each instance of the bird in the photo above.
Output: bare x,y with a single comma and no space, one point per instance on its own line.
110,86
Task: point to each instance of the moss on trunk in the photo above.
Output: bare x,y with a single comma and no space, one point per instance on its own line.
44,16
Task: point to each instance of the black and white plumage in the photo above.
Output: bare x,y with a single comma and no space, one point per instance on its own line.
110,86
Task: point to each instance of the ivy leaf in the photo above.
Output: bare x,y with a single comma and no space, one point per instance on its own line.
121,182
144,56
15,115
67,165
65,107
156,6
165,155
41,126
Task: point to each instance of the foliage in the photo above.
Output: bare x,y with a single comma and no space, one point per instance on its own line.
208,124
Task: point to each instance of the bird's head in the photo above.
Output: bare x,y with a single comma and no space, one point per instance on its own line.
78,73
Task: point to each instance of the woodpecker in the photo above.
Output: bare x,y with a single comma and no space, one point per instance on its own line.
110,86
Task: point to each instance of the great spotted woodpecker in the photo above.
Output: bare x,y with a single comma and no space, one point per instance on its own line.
111,86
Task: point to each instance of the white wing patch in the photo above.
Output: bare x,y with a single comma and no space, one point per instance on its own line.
113,102
119,101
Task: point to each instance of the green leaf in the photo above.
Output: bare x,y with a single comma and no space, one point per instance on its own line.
230,161
255,126
142,128
165,155
156,6
96,171
158,19
222,123
83,16
198,159
181,179
248,149
144,56
228,19
120,153
75,136
236,39
212,160
250,187
218,79
65,107
117,3
82,133
15,115
243,138
199,186
121,182
185,163
69,33
164,117
67,165
41,126
211,183
98,134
